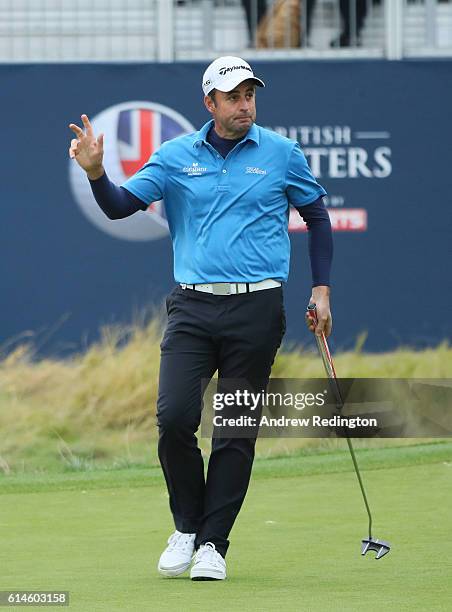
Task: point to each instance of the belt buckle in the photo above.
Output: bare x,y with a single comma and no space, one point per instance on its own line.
221,288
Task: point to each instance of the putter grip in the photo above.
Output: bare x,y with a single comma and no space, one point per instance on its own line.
322,343
312,312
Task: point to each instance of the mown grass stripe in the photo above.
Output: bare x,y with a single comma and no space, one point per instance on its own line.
300,464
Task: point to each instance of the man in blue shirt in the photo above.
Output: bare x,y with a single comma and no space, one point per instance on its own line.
227,190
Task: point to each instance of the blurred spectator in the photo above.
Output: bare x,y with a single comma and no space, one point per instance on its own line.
345,37
280,27
255,11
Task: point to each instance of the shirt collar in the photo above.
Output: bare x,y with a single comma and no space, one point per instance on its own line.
200,137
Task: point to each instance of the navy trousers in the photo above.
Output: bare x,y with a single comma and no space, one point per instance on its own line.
238,335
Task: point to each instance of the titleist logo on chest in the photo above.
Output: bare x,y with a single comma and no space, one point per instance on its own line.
254,170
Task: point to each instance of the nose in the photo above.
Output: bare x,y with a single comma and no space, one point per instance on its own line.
245,104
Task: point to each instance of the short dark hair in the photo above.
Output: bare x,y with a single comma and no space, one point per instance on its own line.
211,95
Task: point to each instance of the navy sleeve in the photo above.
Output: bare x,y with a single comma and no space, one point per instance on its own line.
320,239
116,202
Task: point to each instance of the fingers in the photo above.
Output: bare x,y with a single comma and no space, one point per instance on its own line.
310,317
73,150
319,322
320,327
310,320
77,130
84,137
311,326
87,125
322,319
324,324
328,326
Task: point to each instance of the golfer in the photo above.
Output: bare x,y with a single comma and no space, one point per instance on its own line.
227,190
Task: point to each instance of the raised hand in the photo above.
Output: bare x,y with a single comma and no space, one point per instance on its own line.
86,149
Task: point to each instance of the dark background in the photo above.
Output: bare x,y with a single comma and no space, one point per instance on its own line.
62,277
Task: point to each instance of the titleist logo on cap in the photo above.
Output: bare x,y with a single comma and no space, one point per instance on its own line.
227,69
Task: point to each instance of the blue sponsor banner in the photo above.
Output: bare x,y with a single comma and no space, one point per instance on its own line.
376,135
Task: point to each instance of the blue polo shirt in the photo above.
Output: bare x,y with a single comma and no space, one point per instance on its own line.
228,218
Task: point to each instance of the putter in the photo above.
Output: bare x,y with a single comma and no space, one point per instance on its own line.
381,547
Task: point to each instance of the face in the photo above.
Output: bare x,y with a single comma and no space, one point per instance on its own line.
234,112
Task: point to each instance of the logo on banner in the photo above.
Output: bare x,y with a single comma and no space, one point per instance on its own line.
132,132
341,152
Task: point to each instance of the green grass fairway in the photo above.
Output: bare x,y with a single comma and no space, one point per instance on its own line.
295,547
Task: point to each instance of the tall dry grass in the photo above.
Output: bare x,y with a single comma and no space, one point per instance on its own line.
100,405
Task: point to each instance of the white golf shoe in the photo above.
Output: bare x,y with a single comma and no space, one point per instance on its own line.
208,564
177,556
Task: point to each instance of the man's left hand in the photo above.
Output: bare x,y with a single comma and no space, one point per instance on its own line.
321,298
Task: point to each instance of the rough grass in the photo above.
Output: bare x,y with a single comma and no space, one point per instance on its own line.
98,407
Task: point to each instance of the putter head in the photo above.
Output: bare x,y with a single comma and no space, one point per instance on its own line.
379,546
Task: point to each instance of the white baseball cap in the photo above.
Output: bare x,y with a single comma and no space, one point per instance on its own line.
227,72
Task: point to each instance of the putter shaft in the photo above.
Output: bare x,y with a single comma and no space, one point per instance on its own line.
331,373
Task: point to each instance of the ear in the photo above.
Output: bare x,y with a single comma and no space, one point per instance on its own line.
209,104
